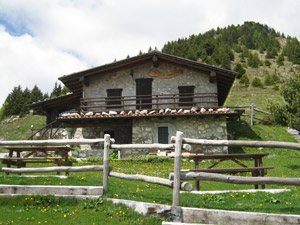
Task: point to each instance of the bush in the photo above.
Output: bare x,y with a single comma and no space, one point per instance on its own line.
257,83
276,87
241,71
244,81
268,80
267,62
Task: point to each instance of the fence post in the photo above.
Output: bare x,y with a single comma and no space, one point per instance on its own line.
252,114
177,166
106,161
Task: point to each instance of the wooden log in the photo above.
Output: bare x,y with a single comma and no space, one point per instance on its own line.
186,147
177,167
238,107
142,146
53,169
106,161
54,142
252,115
236,179
259,110
185,186
238,143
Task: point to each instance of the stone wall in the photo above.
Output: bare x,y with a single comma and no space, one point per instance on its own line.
123,80
145,130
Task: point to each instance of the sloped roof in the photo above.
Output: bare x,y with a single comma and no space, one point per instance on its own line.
225,78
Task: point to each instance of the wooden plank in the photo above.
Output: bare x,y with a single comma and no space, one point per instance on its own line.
32,158
232,170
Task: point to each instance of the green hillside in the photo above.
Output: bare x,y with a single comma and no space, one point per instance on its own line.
255,51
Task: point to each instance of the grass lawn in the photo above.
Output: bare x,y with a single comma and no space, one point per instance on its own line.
49,210
286,163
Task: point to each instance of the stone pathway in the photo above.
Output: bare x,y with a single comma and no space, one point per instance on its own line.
295,133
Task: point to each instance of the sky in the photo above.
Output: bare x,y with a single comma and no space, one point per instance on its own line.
41,40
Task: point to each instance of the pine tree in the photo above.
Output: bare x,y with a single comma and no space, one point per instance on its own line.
56,91
36,95
239,68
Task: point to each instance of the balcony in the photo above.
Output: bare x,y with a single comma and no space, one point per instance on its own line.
127,103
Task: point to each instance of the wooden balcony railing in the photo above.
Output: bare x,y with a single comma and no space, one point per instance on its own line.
126,103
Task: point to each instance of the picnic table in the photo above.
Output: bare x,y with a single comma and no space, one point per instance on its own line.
20,160
257,170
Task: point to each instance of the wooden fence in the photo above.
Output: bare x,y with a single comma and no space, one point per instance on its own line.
252,109
175,178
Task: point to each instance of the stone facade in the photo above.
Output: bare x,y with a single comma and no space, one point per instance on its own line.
145,131
123,80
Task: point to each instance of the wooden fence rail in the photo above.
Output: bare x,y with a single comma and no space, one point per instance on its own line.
53,169
236,179
238,143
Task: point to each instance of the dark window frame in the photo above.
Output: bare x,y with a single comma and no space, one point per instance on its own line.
114,97
184,93
163,135
144,93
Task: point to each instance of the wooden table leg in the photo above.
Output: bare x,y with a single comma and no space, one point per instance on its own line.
261,173
197,182
19,162
9,162
254,173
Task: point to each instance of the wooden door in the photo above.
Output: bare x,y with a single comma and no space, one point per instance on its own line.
144,93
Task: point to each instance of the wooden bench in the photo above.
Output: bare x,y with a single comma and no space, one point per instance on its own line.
256,171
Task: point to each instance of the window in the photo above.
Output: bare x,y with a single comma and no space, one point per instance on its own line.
144,93
163,135
184,95
113,99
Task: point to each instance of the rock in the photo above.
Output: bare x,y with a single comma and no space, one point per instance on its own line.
173,111
112,113
98,114
168,110
122,113
74,114
145,111
210,110
180,110
89,114
137,111
194,109
161,111
104,113
186,111
202,110
130,112
151,112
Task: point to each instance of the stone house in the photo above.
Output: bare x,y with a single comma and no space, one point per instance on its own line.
144,99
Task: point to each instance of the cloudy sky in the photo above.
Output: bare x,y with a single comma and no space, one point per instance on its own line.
41,40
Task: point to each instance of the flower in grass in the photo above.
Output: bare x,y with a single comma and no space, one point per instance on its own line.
154,201
260,205
65,216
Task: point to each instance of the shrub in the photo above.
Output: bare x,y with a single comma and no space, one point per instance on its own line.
276,87
257,83
244,81
239,68
267,62
268,80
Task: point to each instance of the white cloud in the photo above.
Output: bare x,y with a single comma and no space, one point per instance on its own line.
25,62
65,36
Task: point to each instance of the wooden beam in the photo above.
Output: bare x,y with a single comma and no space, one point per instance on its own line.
155,61
212,76
83,80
